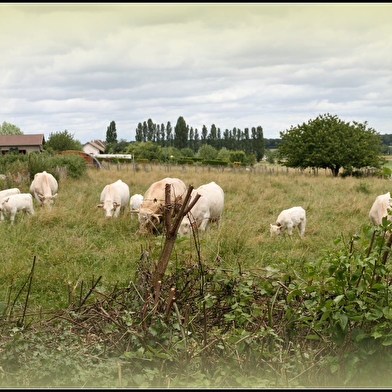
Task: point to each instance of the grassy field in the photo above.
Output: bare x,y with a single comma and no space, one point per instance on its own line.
74,243
72,246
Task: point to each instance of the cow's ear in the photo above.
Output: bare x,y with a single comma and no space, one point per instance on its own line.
100,205
55,195
156,217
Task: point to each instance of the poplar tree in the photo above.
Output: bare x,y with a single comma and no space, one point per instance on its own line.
111,133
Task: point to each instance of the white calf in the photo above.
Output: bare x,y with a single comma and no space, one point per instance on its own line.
135,203
288,219
4,193
19,202
208,208
380,208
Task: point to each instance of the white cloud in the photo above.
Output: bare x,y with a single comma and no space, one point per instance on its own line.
79,67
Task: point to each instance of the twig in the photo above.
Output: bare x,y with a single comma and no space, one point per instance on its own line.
89,292
169,302
30,280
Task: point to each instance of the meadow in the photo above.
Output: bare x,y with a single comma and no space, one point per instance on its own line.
73,244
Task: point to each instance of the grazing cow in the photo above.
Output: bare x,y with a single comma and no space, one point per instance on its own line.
379,209
44,188
114,198
288,219
208,208
18,202
4,193
151,210
135,203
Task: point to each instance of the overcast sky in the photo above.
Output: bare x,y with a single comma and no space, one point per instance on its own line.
77,67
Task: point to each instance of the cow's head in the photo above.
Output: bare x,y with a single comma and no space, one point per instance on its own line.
148,221
187,226
47,201
110,207
275,229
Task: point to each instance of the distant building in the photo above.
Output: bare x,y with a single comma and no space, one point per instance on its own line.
24,144
94,147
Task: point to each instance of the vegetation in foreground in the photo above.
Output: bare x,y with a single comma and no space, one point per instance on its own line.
249,310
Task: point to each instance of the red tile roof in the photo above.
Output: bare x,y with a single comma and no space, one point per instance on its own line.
22,140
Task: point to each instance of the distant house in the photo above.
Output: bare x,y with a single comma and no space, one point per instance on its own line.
24,144
94,147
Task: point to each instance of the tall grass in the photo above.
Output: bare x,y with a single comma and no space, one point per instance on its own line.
74,243
272,295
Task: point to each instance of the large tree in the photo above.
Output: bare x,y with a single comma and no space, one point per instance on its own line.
180,134
258,143
330,143
9,129
61,141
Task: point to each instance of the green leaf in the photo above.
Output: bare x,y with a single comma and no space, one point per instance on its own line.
338,298
343,320
313,337
374,314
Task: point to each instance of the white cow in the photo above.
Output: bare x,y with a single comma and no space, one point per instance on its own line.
114,198
379,209
18,202
7,192
44,188
208,208
152,208
288,219
135,202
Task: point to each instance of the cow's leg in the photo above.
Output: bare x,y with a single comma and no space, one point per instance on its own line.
12,216
301,227
204,223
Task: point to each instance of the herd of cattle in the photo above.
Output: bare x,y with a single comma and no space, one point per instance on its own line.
115,197
44,189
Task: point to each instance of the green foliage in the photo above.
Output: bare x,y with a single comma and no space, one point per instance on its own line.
328,142
214,162
13,163
237,156
187,161
38,162
117,147
166,154
9,129
187,152
223,154
75,164
271,156
180,134
62,141
111,133
207,152
348,304
385,172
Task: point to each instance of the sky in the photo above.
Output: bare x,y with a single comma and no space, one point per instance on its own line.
80,66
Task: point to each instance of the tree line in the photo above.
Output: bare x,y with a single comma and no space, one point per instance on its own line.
323,142
251,141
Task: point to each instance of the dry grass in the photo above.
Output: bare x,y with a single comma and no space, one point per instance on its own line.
74,243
